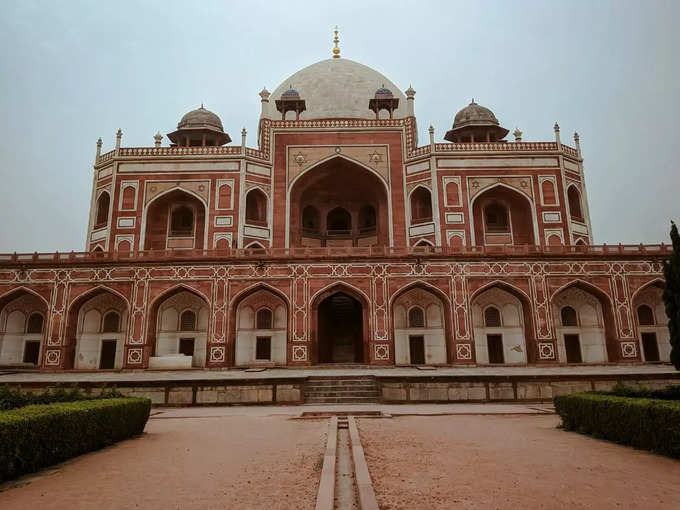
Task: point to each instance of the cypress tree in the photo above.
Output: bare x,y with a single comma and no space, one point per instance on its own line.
671,296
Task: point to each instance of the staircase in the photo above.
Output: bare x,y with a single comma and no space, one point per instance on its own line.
341,390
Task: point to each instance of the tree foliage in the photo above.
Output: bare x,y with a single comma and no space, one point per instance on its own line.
671,296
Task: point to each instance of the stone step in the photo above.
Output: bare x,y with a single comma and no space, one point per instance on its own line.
340,386
333,394
340,400
340,383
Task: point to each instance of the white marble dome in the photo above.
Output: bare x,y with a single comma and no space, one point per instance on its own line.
338,88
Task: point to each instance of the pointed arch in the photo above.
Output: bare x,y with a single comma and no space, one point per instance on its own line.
447,320
102,210
575,203
527,315
73,310
193,194
656,282
154,306
319,298
17,292
420,202
277,337
17,348
516,192
257,204
608,314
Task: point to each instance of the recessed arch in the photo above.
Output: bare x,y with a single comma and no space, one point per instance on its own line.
176,347
84,348
164,194
23,326
333,182
420,204
575,203
257,204
102,210
515,193
608,314
656,282
243,333
437,346
517,324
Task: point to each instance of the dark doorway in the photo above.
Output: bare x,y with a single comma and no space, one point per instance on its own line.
340,330
650,347
186,346
416,345
263,348
572,346
108,357
495,346
31,352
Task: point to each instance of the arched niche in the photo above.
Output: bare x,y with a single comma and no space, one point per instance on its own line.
256,207
420,321
501,321
91,345
652,323
175,221
23,320
503,216
102,210
261,333
180,332
339,185
580,328
575,204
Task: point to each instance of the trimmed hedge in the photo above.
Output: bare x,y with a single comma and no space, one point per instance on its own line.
640,422
671,392
13,398
37,436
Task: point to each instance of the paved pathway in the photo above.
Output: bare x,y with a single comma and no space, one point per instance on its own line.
202,374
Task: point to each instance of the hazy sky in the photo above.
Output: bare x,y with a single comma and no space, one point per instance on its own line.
71,71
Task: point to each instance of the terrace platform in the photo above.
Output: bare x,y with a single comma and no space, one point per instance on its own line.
286,386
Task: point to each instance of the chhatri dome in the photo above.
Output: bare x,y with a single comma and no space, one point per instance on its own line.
339,88
199,127
475,123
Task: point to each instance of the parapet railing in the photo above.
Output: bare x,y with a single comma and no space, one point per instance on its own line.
258,254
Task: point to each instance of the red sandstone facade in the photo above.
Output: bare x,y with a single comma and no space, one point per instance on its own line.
335,240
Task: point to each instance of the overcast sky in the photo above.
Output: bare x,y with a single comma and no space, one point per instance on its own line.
71,71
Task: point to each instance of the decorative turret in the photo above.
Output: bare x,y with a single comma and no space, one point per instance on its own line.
475,123
290,102
199,128
383,100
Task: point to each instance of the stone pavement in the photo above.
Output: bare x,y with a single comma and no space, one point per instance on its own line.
8,376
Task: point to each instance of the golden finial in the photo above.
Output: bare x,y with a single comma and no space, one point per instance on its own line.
336,40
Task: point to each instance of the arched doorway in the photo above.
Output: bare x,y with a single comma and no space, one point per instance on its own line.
650,314
95,331
589,330
22,328
501,316
175,221
503,216
261,329
421,328
579,324
340,329
339,203
178,329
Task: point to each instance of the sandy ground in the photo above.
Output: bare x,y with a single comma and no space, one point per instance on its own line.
509,462
236,462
